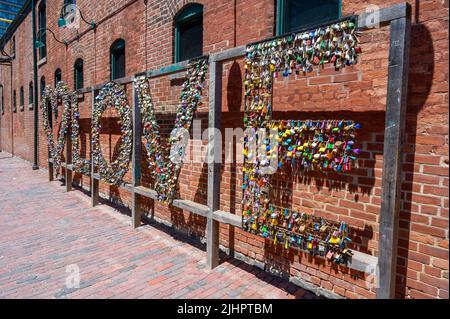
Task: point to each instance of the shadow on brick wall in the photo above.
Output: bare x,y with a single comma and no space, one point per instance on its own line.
421,76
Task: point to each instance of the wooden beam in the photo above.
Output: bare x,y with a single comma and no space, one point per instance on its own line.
393,153
384,15
136,162
214,146
229,54
196,208
227,218
94,182
166,70
147,192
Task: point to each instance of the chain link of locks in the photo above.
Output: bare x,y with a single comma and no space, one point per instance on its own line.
302,231
80,165
70,114
112,94
312,145
165,164
51,95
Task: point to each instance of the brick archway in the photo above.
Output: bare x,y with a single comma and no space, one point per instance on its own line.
174,6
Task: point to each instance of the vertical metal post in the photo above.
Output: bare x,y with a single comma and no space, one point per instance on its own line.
393,153
137,145
94,181
35,91
214,145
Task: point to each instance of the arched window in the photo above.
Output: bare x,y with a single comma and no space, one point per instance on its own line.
42,85
42,22
78,76
118,59
22,98
14,101
188,33
293,15
58,76
30,93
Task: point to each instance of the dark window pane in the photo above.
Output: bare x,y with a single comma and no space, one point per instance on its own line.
118,60
14,101
58,76
42,16
189,33
304,13
191,39
22,96
78,74
30,93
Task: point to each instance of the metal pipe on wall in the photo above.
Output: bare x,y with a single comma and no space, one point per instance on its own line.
36,89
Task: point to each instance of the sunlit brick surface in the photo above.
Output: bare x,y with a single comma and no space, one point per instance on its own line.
44,230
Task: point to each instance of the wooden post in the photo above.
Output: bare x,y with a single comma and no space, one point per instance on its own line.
214,144
393,153
94,181
68,171
51,170
137,145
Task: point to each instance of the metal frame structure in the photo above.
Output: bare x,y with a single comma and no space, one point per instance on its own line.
398,17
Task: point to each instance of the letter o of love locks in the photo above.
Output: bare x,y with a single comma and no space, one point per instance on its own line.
113,95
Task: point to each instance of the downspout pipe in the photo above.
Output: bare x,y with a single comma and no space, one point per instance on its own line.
36,88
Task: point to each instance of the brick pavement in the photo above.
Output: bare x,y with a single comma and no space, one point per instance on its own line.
47,233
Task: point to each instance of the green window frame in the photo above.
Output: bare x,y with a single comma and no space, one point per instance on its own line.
42,22
188,28
22,98
285,14
78,75
118,59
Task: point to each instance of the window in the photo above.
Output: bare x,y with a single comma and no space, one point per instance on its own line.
30,94
42,21
14,101
118,59
58,76
78,74
22,98
189,33
42,86
294,15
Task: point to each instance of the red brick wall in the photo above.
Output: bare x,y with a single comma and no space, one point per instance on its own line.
357,93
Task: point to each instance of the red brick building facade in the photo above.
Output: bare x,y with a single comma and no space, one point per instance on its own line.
357,93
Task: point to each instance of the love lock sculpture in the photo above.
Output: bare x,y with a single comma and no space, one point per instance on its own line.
165,164
112,95
70,115
299,145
